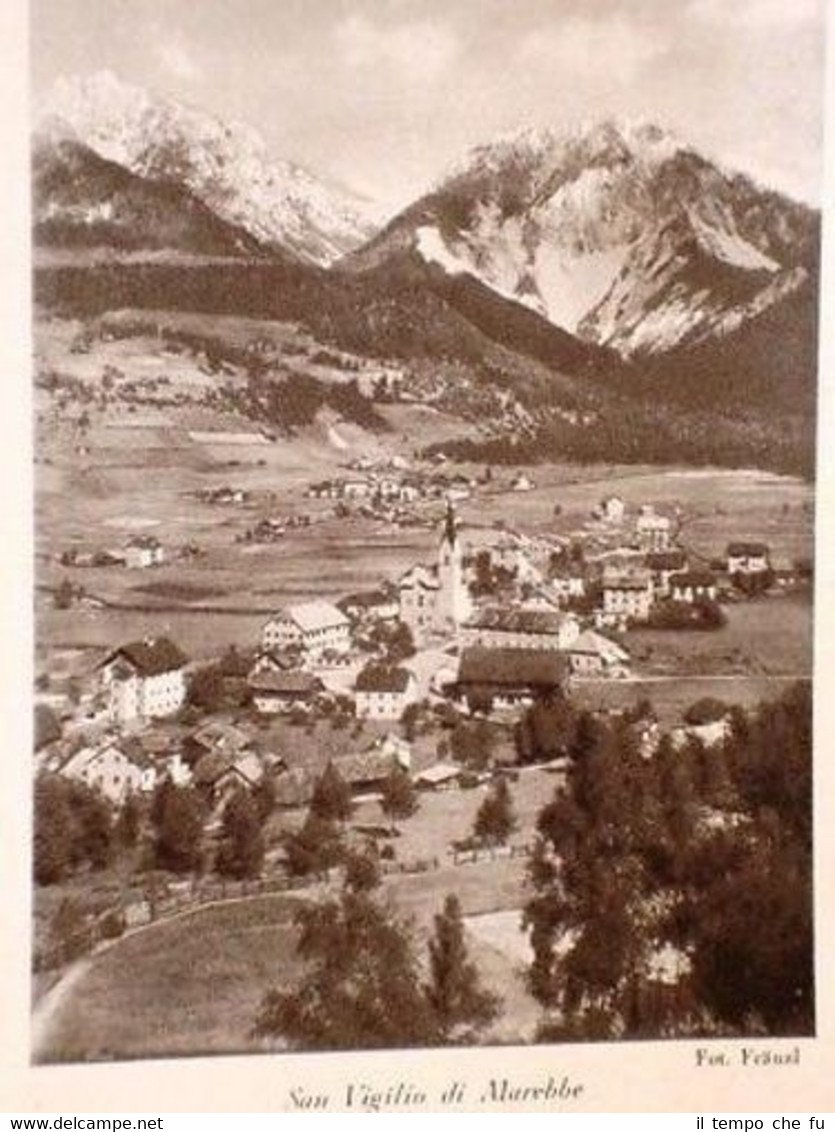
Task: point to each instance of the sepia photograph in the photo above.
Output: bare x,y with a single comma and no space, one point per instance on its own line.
424,411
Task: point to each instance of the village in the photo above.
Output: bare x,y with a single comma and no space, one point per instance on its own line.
272,665
497,622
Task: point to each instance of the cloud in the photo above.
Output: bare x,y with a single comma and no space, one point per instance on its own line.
756,14
177,60
421,49
611,47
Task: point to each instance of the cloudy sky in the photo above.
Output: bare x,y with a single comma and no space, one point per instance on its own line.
384,94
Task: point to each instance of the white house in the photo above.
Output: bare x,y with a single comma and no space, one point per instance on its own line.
654,531
627,594
748,558
384,692
662,564
612,509
315,627
274,692
693,585
144,680
568,585
522,483
112,771
143,551
592,654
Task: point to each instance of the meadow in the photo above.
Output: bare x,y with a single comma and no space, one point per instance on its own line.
188,985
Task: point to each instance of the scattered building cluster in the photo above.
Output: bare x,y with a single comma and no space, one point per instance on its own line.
505,618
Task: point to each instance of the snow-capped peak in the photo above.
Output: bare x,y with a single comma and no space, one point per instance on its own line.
615,230
225,164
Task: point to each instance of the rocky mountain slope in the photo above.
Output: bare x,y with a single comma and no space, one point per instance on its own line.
81,200
621,235
226,166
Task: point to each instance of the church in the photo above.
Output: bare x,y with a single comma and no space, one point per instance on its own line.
435,600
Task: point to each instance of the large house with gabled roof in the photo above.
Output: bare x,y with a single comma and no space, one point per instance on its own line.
144,680
500,679
114,769
384,691
314,627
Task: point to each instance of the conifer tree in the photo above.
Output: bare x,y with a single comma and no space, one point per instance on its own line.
495,820
455,992
332,796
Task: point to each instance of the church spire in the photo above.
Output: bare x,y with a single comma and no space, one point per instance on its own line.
450,530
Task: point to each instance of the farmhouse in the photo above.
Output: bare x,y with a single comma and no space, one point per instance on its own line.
627,594
274,692
144,679
219,775
112,770
522,483
654,531
366,771
215,737
315,627
662,564
439,776
143,551
384,692
592,654
748,558
692,586
496,679
499,628
357,489
270,660
612,509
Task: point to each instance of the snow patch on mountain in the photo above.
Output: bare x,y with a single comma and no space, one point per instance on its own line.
432,248
617,232
572,283
731,248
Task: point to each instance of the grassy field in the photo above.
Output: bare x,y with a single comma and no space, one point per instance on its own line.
193,984
768,637
671,698
190,985
140,470
448,815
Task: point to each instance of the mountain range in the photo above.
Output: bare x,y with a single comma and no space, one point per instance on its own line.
619,234
226,166
609,261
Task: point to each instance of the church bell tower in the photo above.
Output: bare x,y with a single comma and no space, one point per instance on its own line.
454,605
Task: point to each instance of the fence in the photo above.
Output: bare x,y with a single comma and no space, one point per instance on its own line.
187,896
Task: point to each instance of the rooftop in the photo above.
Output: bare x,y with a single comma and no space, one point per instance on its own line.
287,683
517,620
383,678
150,657
511,667
312,615
693,578
596,644
747,549
666,560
